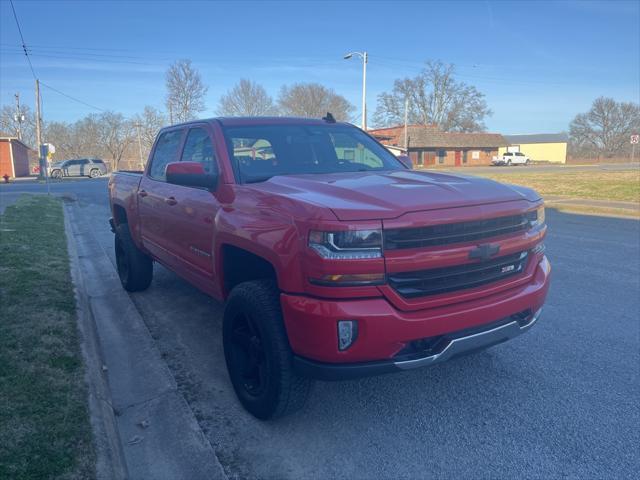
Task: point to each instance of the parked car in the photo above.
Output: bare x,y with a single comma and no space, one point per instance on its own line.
81,167
335,260
511,158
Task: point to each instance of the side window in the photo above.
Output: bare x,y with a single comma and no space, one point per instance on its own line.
166,152
198,148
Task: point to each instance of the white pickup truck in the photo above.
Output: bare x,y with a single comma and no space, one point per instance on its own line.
511,158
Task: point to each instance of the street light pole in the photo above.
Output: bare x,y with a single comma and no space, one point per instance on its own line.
137,125
365,59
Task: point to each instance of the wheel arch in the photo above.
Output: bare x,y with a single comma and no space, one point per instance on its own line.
239,265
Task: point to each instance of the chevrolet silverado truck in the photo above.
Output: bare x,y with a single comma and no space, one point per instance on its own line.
334,258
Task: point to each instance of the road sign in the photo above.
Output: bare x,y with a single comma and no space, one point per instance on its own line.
635,139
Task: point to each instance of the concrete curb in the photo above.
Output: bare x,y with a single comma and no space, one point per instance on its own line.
110,462
150,429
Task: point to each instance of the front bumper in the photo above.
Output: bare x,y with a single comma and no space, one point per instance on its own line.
449,347
384,332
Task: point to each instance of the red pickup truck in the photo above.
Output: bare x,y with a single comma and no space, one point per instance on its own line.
335,259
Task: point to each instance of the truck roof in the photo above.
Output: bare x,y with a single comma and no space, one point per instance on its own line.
246,121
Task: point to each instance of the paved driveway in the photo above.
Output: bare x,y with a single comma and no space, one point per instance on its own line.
561,400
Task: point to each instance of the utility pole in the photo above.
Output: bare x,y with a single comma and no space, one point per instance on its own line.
137,125
18,117
406,129
42,161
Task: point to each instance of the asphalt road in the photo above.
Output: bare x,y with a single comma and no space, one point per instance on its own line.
560,401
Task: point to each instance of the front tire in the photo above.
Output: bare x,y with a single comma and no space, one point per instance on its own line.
57,174
508,163
135,269
94,173
257,352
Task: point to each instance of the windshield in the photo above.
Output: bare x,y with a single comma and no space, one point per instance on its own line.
259,152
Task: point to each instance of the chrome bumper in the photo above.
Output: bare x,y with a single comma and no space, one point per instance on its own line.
469,343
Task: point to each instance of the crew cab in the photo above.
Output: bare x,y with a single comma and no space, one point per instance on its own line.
511,158
335,259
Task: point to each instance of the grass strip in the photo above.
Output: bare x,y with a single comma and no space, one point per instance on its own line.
584,184
44,422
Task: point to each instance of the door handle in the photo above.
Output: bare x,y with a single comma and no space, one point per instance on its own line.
170,201
142,193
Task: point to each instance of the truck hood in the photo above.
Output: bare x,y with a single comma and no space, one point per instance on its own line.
385,195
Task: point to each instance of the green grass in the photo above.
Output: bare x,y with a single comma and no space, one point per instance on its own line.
44,422
585,184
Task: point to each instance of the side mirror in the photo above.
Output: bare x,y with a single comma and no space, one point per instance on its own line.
191,174
406,161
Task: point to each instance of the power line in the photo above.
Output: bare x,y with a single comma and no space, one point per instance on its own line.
48,51
78,57
72,98
24,46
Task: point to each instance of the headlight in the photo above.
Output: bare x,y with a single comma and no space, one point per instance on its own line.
536,217
347,245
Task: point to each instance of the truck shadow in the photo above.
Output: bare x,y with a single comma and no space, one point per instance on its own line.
508,410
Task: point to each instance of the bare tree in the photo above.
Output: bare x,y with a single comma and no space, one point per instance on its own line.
115,135
185,91
88,132
65,138
314,100
9,124
605,129
246,98
150,121
435,98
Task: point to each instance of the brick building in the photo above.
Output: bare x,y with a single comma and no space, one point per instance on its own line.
14,157
429,146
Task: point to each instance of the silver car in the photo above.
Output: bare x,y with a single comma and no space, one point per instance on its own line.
82,167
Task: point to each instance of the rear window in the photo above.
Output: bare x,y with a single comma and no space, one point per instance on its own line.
165,152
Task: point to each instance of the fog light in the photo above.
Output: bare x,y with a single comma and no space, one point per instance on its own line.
347,333
539,248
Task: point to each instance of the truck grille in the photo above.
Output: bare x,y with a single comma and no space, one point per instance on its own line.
401,238
459,277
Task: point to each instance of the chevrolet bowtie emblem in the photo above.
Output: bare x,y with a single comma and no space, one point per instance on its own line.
484,252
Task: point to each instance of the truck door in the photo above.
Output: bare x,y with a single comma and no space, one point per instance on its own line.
155,204
193,229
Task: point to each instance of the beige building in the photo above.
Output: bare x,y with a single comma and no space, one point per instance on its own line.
543,147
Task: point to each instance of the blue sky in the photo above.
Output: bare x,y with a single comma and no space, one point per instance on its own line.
538,63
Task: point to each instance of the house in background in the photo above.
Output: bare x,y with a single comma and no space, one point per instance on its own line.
14,157
543,147
428,146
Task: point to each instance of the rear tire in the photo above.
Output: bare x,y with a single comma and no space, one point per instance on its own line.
135,269
256,349
508,163
94,173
